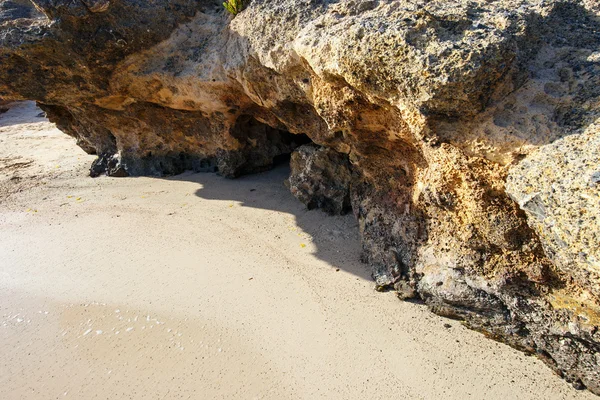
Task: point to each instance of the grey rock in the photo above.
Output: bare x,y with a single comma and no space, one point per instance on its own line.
320,178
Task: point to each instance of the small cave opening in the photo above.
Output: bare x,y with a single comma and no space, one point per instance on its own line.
263,147
293,141
282,159
319,176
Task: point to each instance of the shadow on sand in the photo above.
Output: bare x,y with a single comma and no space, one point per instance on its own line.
335,237
20,112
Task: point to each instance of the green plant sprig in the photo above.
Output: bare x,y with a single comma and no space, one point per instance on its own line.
234,6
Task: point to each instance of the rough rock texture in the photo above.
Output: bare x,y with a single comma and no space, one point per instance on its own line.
321,178
422,109
558,186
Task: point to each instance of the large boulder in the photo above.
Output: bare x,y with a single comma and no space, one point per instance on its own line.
418,110
321,178
558,186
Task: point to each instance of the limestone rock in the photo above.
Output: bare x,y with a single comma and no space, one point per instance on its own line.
558,186
320,178
97,5
419,111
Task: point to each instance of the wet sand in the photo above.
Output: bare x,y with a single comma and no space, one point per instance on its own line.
198,287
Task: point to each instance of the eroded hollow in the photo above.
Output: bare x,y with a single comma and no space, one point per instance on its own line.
320,177
261,148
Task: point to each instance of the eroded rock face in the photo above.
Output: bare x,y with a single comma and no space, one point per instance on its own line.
425,116
558,186
321,178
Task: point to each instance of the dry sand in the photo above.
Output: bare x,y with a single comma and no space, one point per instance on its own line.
198,287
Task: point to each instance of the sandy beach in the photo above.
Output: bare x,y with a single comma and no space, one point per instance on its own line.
199,287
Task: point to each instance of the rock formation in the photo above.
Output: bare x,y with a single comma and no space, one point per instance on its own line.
463,135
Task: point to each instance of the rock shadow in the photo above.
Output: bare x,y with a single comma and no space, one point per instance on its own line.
333,236
20,112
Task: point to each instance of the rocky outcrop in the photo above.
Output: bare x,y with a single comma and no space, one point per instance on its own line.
558,186
462,134
321,178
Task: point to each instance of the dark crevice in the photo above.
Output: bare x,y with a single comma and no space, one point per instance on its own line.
261,148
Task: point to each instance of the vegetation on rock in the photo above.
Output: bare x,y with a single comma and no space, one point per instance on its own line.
235,6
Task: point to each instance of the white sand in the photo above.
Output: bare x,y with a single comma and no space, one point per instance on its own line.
197,287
